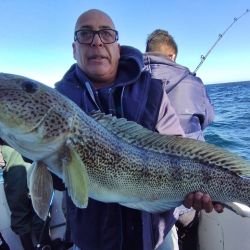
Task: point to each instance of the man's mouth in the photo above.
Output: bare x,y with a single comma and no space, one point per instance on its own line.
97,57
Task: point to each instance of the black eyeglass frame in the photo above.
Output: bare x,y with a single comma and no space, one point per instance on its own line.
94,32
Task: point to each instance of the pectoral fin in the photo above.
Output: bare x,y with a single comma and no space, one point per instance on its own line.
41,189
75,177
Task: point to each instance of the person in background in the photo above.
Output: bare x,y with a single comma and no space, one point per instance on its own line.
186,92
162,43
188,97
110,78
24,221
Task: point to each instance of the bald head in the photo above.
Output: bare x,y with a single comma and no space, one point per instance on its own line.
97,59
100,16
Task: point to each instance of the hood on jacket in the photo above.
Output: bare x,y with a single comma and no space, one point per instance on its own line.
130,65
170,72
129,69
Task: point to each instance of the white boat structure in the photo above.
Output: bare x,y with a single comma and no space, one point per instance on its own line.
225,231
57,222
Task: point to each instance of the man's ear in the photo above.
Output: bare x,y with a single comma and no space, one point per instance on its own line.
119,47
74,50
119,50
173,57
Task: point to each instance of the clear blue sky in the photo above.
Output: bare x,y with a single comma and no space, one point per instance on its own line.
36,35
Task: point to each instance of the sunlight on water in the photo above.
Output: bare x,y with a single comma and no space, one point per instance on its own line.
230,129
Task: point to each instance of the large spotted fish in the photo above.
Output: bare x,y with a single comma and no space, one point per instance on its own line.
110,159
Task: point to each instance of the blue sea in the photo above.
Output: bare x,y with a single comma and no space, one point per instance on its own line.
231,127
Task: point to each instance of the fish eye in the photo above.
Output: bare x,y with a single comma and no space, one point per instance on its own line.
29,87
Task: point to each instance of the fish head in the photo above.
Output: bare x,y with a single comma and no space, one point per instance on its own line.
33,117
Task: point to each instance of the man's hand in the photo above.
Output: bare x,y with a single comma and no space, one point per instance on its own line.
199,201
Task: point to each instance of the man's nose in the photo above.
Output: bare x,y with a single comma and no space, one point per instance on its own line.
97,40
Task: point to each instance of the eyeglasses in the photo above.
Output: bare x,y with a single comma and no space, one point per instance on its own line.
86,36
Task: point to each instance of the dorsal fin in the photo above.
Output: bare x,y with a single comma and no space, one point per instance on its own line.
203,152
131,132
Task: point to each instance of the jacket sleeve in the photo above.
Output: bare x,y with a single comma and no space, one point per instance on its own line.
196,102
192,106
168,122
209,111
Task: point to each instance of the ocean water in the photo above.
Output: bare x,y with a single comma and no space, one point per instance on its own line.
231,127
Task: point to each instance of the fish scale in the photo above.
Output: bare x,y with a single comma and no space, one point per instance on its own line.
110,159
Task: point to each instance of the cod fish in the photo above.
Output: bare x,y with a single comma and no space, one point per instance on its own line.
110,159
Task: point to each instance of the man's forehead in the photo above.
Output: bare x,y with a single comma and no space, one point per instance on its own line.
94,19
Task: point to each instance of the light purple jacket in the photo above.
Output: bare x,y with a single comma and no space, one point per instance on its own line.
186,93
188,97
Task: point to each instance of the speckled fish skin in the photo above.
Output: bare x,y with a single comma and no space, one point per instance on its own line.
110,159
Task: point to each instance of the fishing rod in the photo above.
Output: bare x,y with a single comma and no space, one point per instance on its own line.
40,245
203,58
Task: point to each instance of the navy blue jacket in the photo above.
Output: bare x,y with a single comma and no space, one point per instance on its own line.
133,96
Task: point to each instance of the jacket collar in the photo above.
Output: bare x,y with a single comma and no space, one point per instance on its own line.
129,69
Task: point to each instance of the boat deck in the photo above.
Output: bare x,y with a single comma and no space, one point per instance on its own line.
57,223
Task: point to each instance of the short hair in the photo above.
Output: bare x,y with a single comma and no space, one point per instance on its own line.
160,37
